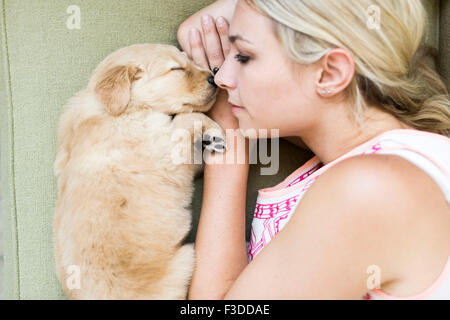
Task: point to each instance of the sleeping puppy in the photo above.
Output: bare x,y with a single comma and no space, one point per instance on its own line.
122,210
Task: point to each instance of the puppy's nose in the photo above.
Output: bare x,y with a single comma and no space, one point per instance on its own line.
211,81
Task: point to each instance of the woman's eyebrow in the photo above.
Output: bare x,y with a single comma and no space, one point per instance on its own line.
236,37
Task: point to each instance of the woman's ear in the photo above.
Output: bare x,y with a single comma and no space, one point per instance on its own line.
336,72
113,89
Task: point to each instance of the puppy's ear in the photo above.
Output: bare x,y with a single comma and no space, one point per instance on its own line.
114,88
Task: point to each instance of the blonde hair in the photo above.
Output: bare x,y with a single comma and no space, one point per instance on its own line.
390,68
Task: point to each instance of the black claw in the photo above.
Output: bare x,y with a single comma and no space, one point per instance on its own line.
214,143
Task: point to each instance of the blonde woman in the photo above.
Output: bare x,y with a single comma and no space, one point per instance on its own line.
368,216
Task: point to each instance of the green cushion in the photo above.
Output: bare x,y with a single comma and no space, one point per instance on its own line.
43,63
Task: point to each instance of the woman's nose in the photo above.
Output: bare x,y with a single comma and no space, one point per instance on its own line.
221,79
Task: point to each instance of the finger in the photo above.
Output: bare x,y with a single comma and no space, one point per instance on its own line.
213,46
197,50
223,28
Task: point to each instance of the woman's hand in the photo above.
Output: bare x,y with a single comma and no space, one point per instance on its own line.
216,47
210,56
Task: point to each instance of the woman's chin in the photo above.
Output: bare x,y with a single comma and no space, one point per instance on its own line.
249,132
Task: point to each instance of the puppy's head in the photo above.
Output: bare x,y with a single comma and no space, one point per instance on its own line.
156,76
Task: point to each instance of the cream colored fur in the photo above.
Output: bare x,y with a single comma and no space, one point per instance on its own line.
122,209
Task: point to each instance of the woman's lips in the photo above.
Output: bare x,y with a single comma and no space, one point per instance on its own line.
235,108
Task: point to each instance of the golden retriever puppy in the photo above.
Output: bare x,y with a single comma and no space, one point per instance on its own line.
123,202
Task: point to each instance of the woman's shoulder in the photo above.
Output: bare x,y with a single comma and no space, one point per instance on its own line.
355,216
403,210
381,182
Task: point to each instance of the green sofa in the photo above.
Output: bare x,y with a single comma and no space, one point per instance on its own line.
45,59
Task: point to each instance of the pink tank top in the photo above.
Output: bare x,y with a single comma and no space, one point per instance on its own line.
275,206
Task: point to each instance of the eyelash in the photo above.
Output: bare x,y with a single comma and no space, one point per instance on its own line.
242,59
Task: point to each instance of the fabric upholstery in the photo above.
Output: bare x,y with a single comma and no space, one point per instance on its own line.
444,41
43,63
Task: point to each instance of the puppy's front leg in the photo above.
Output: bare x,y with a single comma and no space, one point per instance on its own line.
211,134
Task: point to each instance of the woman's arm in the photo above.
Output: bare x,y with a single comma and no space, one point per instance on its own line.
220,246
220,8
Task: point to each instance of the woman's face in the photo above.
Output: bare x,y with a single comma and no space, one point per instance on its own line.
259,77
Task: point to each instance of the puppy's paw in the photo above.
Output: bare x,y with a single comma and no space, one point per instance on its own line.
214,141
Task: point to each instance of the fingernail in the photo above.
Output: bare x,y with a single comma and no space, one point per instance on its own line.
193,34
221,22
206,19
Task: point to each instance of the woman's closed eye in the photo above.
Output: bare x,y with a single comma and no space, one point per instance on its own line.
242,59
177,68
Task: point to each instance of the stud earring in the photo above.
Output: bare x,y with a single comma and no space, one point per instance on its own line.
325,92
